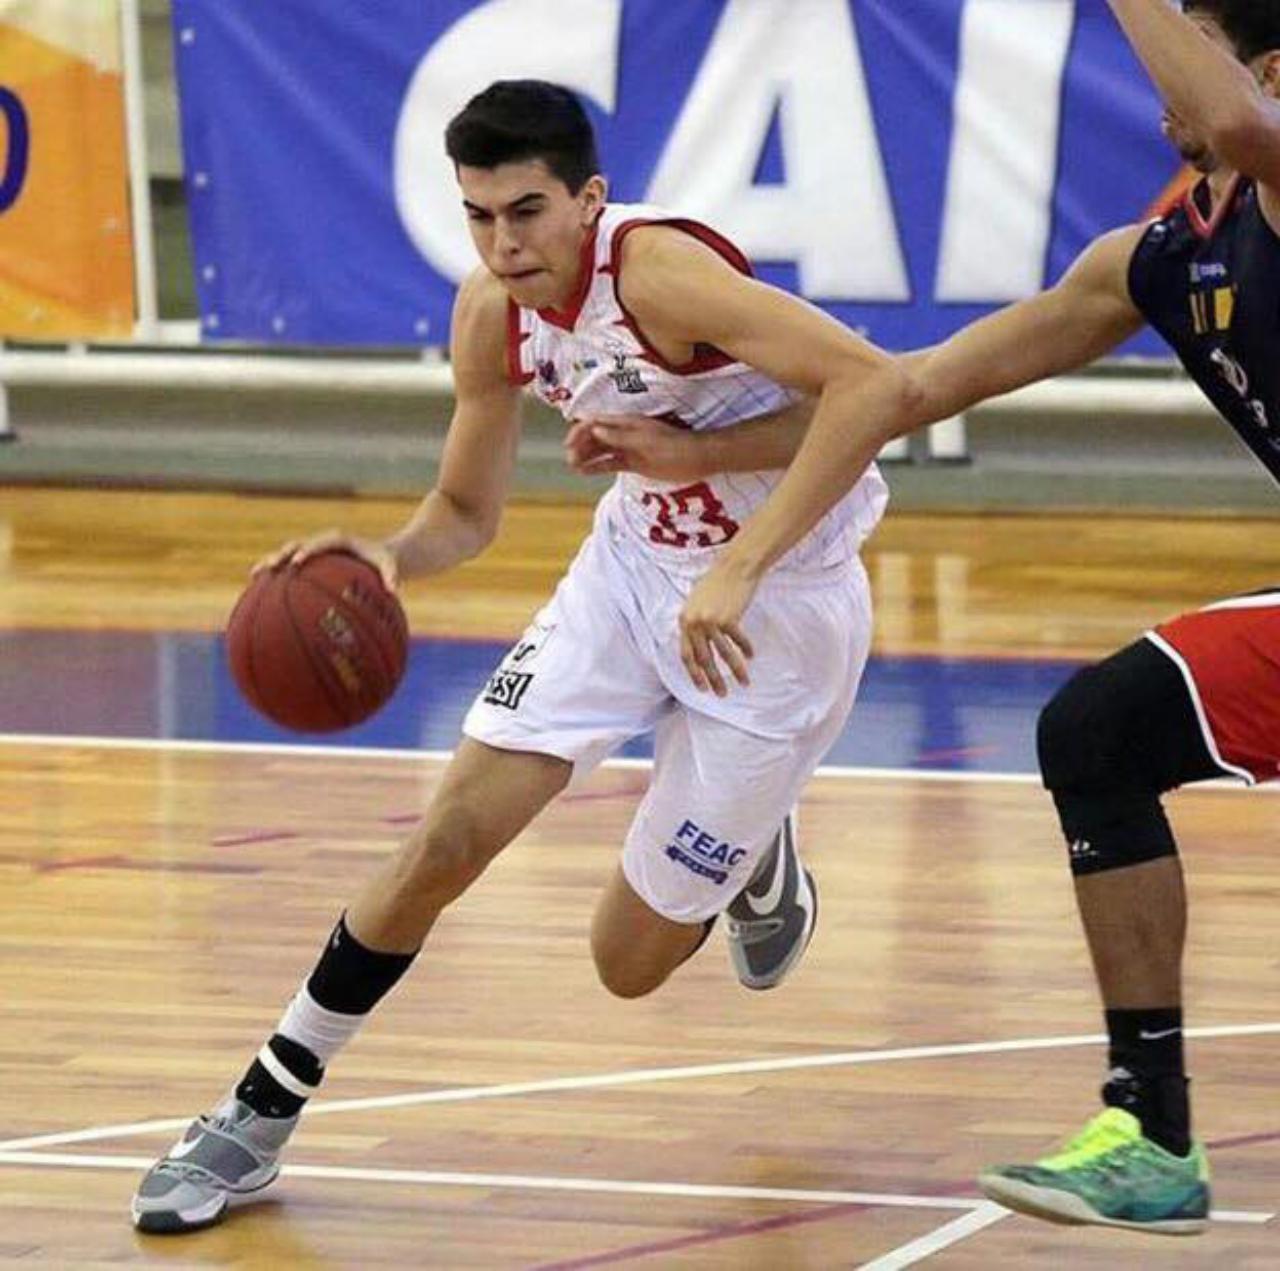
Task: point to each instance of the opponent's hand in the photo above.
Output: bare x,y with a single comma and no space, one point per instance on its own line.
372,552
634,443
711,630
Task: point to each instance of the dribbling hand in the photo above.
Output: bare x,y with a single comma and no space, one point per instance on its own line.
379,555
711,631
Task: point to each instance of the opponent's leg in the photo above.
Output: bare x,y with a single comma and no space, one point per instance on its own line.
1111,742
485,798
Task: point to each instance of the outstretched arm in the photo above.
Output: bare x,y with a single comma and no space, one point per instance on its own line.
1088,313
1208,88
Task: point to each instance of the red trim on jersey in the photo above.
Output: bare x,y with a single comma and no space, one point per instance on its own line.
706,357
515,338
1169,200
566,319
1208,228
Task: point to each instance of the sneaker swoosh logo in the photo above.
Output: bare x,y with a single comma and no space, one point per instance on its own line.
184,1148
767,903
1155,1037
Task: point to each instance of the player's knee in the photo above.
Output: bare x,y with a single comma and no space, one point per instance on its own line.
627,968
626,977
1107,802
1072,735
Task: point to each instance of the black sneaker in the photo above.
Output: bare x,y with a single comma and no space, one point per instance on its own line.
771,920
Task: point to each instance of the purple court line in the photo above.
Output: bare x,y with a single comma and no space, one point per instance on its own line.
126,863
604,796
1243,1140
78,862
961,752
255,836
797,1219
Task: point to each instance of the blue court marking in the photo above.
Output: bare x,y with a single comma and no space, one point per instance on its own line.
963,714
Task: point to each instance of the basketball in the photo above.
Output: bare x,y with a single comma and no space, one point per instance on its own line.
320,646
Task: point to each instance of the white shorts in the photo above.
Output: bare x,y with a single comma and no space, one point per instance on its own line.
601,663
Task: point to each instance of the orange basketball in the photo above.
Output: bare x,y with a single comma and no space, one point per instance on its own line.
319,646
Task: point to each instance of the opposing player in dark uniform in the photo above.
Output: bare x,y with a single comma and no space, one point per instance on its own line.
1196,698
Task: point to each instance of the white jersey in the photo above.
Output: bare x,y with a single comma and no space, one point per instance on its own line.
592,361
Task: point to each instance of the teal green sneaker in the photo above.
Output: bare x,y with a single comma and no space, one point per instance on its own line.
1109,1174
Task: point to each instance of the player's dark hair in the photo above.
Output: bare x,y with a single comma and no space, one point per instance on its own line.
1253,26
515,120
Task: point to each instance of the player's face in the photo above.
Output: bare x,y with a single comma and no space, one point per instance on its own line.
529,229
1194,148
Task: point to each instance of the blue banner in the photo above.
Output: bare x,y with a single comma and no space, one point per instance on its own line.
906,164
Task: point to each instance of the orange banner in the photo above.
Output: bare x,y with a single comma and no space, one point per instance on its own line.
66,255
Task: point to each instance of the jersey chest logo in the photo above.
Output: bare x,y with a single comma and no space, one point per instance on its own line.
627,379
547,383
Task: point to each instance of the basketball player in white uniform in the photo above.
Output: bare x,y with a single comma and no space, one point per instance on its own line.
601,310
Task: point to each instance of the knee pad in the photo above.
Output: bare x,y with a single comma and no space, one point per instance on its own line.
1107,798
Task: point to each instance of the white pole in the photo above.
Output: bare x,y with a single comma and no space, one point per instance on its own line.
947,440
144,257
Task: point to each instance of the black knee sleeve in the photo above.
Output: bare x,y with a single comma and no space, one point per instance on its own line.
1113,739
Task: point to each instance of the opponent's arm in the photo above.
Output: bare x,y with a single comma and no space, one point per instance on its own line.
1088,313
665,452
460,515
1084,316
1209,88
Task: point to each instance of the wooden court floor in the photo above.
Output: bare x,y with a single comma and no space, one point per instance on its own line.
502,1111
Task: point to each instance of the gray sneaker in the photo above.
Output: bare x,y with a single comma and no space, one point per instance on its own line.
224,1159
771,920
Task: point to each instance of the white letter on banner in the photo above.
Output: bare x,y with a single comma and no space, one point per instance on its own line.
833,216
1004,149
573,42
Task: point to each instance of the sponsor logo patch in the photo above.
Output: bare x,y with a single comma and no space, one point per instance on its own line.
702,853
507,688
626,379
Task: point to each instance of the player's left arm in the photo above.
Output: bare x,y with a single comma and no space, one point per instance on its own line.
1233,106
683,294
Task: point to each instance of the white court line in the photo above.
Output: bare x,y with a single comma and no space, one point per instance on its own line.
641,1076
286,750
620,1187
951,1233
437,1178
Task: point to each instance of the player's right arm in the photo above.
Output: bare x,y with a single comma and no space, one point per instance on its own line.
460,515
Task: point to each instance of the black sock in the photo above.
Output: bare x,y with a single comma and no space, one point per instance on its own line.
265,1094
1148,1076
349,980
352,979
